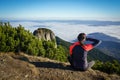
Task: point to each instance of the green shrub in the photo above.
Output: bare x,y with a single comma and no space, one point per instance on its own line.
20,40
108,67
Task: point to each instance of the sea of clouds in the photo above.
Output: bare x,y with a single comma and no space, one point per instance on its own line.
69,31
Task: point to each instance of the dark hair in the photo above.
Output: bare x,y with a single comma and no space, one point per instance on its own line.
81,37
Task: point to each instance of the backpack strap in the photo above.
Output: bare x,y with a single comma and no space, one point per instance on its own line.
72,46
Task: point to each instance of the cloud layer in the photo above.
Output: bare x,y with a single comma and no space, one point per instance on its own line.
68,31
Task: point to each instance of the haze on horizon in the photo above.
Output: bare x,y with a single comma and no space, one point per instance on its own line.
60,9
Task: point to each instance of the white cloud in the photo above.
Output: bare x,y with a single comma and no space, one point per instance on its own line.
68,31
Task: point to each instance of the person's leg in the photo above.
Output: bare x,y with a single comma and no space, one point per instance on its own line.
90,64
69,59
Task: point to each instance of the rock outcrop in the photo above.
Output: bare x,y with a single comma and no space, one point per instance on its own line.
45,34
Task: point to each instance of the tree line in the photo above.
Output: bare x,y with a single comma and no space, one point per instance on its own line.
17,39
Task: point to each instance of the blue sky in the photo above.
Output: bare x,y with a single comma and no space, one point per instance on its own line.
60,9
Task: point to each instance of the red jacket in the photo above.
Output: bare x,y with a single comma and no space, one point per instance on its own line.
86,47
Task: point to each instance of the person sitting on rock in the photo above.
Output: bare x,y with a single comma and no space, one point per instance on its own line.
79,50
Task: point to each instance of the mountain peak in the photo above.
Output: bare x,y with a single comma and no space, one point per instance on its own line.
103,37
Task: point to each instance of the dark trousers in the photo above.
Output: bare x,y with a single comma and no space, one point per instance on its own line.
70,60
71,63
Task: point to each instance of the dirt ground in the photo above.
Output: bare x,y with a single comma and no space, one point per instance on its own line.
25,67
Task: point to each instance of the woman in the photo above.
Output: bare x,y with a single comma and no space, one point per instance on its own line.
79,50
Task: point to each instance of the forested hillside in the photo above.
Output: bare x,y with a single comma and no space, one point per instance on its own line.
110,45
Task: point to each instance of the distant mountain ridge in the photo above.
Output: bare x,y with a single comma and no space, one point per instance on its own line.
110,45
110,48
103,37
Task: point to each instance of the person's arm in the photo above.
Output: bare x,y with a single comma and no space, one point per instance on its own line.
95,41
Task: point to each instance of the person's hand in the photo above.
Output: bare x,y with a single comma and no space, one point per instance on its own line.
88,39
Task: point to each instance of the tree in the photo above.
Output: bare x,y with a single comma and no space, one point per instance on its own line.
20,40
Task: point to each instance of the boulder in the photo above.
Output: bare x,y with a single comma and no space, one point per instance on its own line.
45,34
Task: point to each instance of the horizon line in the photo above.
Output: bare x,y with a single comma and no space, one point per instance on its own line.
58,18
